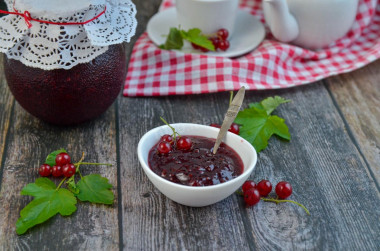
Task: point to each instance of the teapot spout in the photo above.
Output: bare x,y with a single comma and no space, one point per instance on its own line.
281,22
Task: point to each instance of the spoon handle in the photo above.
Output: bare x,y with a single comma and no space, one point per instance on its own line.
230,116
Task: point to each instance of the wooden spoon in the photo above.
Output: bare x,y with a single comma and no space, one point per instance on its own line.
230,116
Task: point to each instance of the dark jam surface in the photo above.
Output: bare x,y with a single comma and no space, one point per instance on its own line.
67,97
198,166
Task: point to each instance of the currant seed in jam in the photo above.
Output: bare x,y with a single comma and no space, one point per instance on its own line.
196,166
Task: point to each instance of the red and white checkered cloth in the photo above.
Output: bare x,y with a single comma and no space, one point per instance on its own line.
155,72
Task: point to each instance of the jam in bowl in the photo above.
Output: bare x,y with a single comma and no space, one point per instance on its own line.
195,177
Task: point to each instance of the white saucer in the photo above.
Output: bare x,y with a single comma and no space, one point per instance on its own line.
249,32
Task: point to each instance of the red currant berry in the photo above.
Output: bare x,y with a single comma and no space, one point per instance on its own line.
203,49
283,190
215,125
167,138
234,128
224,45
264,187
184,143
164,147
252,197
45,170
62,159
195,46
215,41
57,171
248,185
68,170
223,34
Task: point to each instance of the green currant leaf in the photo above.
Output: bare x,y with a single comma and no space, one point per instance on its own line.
269,104
50,159
95,188
173,41
72,186
257,126
256,105
195,36
47,202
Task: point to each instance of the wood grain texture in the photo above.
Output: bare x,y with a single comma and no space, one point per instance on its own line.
145,10
150,220
331,161
91,226
357,95
321,162
327,174
6,104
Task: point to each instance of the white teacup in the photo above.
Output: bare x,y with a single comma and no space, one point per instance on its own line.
207,15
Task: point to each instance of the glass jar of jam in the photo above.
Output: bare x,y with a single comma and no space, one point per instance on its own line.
66,73
71,96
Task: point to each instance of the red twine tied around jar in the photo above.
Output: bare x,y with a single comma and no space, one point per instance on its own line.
28,18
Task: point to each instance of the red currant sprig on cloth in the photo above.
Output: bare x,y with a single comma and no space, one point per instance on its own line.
254,193
218,39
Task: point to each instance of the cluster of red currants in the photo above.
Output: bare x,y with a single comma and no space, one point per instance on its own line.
63,167
219,40
253,192
234,128
166,144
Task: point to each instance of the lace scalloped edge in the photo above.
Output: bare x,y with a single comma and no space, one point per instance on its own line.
72,45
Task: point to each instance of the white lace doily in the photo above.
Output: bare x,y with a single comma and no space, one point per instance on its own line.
50,46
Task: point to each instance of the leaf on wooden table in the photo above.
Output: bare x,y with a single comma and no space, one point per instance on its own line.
95,188
72,186
257,126
270,104
47,202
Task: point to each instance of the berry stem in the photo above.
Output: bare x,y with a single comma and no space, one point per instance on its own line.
82,158
239,192
175,133
89,163
78,165
291,201
231,96
60,184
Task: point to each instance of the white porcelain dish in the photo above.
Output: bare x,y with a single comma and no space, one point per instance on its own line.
197,196
249,32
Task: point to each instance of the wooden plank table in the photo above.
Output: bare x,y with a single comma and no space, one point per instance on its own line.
332,161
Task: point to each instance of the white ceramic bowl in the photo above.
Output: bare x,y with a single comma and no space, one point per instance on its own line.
197,196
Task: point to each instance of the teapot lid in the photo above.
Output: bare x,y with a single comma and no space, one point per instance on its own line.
51,34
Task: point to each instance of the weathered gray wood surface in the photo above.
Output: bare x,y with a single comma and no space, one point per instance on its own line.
332,162
358,97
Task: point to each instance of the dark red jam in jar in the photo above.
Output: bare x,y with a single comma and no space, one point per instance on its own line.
71,96
197,166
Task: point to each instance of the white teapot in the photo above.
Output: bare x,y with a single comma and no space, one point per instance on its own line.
312,24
